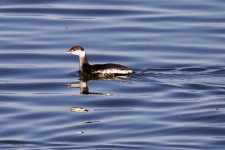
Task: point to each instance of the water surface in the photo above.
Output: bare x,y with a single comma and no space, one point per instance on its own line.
174,100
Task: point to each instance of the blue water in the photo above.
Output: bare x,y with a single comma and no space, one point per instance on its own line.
174,100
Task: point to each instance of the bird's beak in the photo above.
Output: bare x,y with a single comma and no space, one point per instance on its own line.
67,52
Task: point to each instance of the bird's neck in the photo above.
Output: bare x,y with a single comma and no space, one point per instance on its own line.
83,61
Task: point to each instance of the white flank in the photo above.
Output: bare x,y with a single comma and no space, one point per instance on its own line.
114,71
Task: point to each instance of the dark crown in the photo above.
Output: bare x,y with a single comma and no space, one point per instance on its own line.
74,48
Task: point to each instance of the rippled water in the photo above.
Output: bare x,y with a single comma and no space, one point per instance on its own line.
174,100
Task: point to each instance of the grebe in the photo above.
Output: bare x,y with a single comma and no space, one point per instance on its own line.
97,69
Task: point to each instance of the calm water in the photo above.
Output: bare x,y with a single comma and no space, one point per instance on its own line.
174,100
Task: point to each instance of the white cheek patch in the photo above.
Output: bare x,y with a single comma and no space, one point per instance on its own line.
78,53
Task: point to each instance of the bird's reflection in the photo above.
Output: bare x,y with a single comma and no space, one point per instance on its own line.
84,90
83,84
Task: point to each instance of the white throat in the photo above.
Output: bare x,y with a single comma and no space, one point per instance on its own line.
82,57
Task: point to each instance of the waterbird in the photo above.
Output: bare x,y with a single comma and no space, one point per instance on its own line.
100,70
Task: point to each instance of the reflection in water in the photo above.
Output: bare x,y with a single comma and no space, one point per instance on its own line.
77,109
83,84
84,90
79,132
90,122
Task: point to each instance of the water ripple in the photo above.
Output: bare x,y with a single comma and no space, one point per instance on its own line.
174,99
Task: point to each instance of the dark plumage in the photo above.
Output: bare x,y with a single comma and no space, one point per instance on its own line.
98,69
